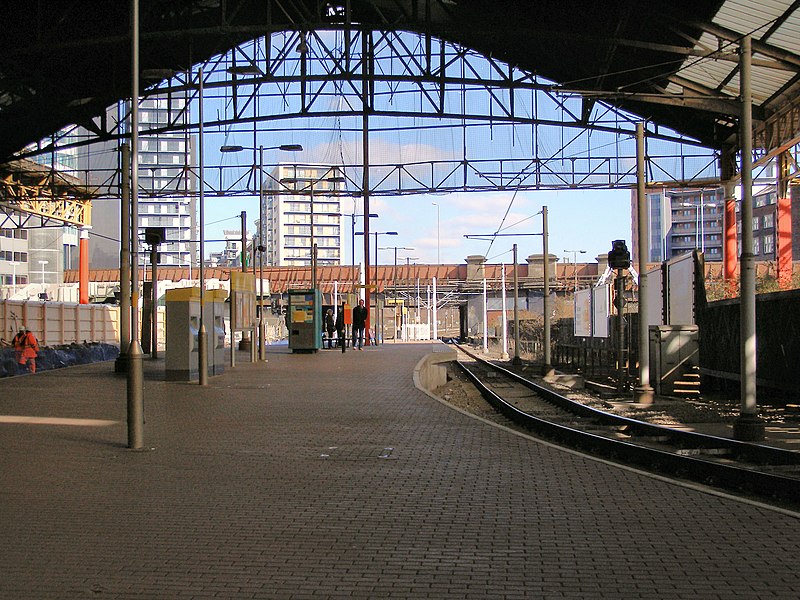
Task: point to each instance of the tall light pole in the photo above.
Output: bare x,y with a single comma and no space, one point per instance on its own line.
261,246
376,234
438,239
312,181
575,265
353,216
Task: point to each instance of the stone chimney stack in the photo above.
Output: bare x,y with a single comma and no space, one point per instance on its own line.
475,267
536,267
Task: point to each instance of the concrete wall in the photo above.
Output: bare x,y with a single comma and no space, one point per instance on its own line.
431,372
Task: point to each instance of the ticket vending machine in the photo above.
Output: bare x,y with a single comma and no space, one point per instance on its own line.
304,320
183,327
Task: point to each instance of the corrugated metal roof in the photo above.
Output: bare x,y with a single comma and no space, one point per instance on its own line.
773,22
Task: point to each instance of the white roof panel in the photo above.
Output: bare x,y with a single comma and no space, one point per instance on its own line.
755,18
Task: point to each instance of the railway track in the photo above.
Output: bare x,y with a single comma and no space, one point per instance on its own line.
763,471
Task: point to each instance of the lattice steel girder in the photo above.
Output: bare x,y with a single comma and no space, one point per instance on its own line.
40,197
410,83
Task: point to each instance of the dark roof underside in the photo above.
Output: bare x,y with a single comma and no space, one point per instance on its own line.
64,62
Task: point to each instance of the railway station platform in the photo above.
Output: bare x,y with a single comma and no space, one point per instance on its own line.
331,475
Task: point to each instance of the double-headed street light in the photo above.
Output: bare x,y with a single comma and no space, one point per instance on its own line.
261,246
376,234
353,216
312,181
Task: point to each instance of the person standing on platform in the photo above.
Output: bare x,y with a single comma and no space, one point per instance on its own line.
329,326
359,323
340,326
28,349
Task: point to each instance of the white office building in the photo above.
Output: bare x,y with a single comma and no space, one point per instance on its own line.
288,216
166,186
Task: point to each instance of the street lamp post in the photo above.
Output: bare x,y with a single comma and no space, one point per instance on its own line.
353,216
261,246
575,265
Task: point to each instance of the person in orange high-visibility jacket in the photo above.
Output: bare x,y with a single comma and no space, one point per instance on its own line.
19,340
27,348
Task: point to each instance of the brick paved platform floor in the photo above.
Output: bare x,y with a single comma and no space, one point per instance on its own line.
331,476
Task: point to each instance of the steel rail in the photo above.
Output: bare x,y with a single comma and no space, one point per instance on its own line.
731,477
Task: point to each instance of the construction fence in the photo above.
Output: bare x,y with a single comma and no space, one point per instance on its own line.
60,323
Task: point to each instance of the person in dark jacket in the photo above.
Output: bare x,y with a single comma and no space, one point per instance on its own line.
340,327
359,323
329,326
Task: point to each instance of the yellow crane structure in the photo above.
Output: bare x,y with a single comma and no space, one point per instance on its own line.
34,195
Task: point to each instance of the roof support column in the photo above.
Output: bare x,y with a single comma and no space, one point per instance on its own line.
644,391
748,426
783,223
121,364
366,85
731,243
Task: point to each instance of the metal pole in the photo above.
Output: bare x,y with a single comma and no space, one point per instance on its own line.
428,309
202,354
243,216
262,334
435,313
485,323
366,103
747,425
121,364
261,248
394,293
313,247
517,360
620,285
154,301
643,392
547,367
135,370
504,329
378,312
245,332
